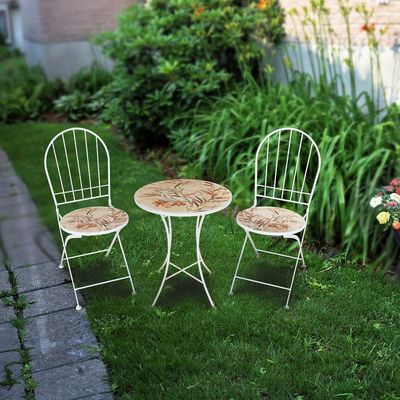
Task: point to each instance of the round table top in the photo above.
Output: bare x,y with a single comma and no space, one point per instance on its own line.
183,197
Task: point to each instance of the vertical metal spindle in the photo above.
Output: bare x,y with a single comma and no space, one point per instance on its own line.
78,163
297,166
305,172
276,163
98,164
287,162
88,165
68,167
59,172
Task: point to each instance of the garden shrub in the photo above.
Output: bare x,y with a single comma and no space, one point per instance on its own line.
173,54
84,98
89,80
219,141
25,92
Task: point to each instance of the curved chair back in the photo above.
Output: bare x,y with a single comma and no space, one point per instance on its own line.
77,165
288,164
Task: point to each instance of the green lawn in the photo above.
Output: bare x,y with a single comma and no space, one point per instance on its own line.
339,339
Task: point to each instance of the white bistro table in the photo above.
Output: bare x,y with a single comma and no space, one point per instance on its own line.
183,198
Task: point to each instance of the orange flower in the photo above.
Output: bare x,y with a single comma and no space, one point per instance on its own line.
199,10
263,4
368,28
396,224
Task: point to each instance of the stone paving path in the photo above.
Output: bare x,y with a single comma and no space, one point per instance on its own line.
65,363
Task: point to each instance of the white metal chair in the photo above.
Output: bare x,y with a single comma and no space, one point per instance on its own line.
287,167
75,174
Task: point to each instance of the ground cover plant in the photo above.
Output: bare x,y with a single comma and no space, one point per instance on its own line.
172,54
27,94
220,140
339,339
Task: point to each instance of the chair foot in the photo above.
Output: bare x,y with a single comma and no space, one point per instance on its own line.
61,266
78,308
230,293
287,307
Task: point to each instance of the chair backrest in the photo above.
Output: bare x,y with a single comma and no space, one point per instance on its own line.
77,165
288,164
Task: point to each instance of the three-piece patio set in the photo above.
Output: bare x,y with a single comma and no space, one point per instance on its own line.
287,165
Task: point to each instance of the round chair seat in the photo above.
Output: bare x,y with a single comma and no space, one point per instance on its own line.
94,220
273,221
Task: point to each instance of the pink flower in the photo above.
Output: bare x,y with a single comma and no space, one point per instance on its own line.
389,188
391,204
395,182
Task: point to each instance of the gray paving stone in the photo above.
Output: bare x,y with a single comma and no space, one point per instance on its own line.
6,169
52,299
4,282
9,179
6,312
8,338
20,224
18,200
31,255
12,187
60,338
17,210
41,237
2,261
12,361
72,381
102,396
40,276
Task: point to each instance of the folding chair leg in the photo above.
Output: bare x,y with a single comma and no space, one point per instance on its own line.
253,245
126,263
299,256
238,264
112,244
78,306
61,265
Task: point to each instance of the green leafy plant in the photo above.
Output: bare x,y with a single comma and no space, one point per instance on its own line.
25,92
74,106
173,54
220,141
89,80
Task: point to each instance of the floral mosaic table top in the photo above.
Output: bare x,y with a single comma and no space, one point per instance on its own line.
273,220
183,197
94,219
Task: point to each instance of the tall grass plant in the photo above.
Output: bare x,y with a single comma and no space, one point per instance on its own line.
220,140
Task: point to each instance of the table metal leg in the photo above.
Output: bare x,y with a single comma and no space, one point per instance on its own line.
168,229
199,224
199,259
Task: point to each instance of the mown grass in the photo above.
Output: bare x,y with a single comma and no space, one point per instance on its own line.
339,339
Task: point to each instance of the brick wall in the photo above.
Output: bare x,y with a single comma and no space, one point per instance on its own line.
384,15
52,21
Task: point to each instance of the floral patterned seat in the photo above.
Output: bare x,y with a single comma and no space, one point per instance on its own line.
94,220
274,221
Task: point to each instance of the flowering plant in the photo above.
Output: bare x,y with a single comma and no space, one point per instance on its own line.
387,201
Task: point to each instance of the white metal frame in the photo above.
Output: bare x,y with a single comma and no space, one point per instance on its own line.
278,193
199,259
104,192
